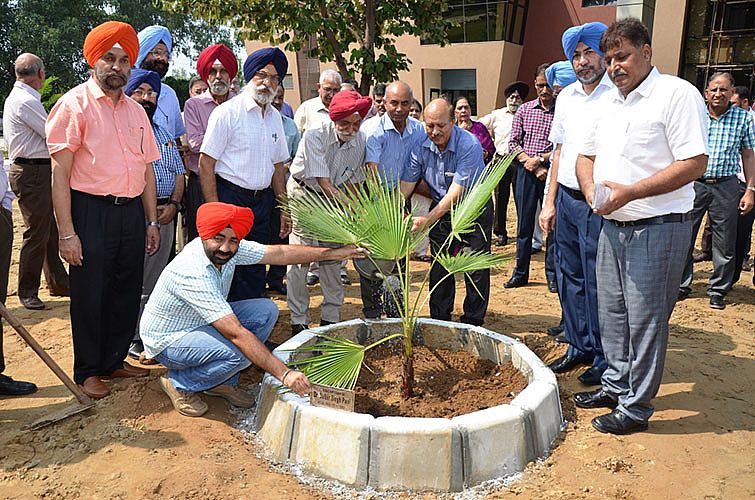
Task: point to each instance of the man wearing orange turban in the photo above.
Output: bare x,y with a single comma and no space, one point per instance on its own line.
104,195
189,326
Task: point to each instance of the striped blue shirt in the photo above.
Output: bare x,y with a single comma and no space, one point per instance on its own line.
727,137
169,164
191,293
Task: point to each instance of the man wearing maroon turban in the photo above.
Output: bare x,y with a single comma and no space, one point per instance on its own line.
190,327
217,65
104,195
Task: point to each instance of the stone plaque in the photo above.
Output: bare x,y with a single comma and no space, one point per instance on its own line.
330,397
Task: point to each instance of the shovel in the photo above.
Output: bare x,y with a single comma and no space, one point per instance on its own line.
84,401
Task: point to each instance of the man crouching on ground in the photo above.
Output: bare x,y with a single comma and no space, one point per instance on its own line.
205,341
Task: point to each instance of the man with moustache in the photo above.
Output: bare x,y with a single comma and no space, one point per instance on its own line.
529,142
390,139
103,192
243,158
639,159
329,162
216,65
731,141
565,211
314,112
144,87
450,160
24,131
499,124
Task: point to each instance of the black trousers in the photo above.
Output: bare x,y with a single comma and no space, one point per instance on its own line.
107,287
275,274
192,200
442,299
6,247
502,195
529,196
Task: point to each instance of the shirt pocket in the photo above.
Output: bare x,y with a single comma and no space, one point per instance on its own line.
643,137
135,142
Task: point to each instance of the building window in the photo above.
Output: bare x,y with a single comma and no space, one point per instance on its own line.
288,81
597,3
485,21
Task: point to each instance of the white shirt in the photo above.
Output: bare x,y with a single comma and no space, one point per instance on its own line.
575,111
24,120
498,123
245,143
311,114
321,154
661,121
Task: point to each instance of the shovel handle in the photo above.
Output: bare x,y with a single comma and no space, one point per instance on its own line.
56,369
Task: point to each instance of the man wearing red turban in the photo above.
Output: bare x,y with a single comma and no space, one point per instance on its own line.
104,195
217,65
190,327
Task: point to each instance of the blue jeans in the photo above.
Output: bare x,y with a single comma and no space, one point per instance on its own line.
204,358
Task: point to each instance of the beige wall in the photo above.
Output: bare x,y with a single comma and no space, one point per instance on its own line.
668,33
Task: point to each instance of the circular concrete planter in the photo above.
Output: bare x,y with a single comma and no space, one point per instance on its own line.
441,454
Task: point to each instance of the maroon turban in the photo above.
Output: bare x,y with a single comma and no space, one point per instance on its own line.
103,37
217,52
215,216
348,102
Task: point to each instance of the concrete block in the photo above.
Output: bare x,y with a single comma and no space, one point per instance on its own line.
479,342
530,365
542,416
333,443
344,329
415,454
275,418
441,334
377,329
303,339
494,443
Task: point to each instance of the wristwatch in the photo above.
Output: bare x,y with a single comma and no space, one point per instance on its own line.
750,188
153,223
176,204
542,159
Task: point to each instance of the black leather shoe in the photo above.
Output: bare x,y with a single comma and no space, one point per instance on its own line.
683,294
618,423
312,279
552,287
717,302
591,376
594,399
566,363
555,330
278,289
271,345
345,280
561,338
535,250
515,282
502,241
297,329
701,257
32,303
136,349
10,387
326,323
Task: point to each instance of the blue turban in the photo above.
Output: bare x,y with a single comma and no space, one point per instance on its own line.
588,33
560,73
149,37
261,58
139,76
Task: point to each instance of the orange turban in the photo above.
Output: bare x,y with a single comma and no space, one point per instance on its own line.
215,216
103,37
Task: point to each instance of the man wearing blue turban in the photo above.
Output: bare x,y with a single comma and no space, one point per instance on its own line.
559,75
145,88
155,48
565,210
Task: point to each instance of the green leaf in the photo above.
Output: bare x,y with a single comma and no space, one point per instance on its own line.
469,261
336,363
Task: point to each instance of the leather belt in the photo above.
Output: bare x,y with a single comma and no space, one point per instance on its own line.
652,221
254,193
572,192
109,198
32,161
715,180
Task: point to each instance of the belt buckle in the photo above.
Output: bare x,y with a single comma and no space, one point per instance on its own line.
621,223
119,200
710,181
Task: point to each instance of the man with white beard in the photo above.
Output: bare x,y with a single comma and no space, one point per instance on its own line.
243,155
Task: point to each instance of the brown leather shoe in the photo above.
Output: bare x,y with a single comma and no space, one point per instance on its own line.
94,388
60,292
32,303
127,371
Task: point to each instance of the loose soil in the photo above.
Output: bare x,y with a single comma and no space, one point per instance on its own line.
135,445
447,383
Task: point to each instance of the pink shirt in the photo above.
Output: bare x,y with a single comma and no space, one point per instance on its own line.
111,145
197,112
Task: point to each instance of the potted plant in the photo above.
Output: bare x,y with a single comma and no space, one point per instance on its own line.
374,217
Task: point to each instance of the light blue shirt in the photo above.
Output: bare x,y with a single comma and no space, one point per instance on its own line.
388,148
6,195
168,113
292,135
191,293
460,162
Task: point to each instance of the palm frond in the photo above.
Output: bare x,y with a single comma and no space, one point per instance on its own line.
322,218
470,206
336,362
469,261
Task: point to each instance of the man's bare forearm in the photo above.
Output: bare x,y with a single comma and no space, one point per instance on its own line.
444,205
207,177
61,191
673,177
249,345
553,186
584,168
278,181
283,255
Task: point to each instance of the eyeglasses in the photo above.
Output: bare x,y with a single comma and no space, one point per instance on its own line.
329,90
159,53
140,93
262,75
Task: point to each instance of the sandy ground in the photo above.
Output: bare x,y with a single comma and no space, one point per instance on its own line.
700,443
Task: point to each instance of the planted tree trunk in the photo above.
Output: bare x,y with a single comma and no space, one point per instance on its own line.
407,378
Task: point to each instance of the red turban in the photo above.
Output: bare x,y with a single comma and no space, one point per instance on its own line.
215,216
348,102
217,52
103,37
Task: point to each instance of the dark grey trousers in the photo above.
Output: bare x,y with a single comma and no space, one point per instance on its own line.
638,271
721,202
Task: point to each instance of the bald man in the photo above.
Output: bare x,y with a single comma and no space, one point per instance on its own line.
449,160
24,129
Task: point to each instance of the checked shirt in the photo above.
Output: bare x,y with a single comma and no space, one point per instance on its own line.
530,129
727,137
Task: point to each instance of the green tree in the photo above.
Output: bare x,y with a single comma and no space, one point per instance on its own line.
358,36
